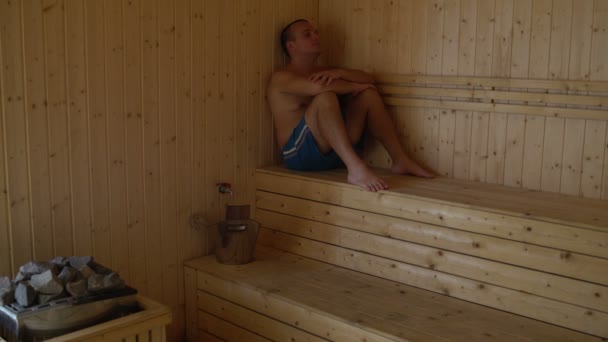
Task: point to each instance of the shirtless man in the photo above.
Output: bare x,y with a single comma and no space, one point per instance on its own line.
320,113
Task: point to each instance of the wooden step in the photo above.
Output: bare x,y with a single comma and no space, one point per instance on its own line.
543,219
450,237
337,304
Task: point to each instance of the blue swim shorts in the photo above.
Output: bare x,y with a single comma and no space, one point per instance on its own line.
302,153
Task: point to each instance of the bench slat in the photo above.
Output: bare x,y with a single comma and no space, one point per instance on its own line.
545,206
258,287
562,314
439,259
251,320
225,330
318,297
464,216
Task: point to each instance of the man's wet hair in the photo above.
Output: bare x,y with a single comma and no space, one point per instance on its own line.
287,35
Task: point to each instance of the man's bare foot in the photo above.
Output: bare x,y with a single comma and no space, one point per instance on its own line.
407,166
365,178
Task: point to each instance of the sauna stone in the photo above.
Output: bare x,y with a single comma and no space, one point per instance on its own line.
47,283
77,288
25,294
78,262
67,275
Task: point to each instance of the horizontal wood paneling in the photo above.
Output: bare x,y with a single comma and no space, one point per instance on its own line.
538,39
118,118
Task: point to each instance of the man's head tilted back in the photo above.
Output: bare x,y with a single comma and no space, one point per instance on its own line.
300,35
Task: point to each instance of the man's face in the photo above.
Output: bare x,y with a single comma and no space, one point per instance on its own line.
306,39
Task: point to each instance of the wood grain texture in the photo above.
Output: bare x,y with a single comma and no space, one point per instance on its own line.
117,120
527,40
38,129
318,298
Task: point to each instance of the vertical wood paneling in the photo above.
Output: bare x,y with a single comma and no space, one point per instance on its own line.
6,251
497,139
360,29
479,146
462,145
240,102
572,160
561,29
599,45
533,152
468,29
199,100
390,35
80,182
59,144
522,28
514,152
196,240
485,37
134,155
16,133
123,115
503,38
38,127
168,158
430,140
540,39
226,102
151,147
580,43
593,159
267,46
447,125
254,91
404,43
212,108
451,32
420,19
376,53
404,134
552,154
450,59
312,10
98,130
435,37
183,152
433,67
280,19
115,102
325,30
336,51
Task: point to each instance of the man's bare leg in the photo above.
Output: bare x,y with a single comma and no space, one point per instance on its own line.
325,121
369,105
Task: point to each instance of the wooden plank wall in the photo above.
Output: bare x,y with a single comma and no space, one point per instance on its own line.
117,119
538,39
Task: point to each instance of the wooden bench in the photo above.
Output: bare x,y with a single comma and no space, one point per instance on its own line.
426,260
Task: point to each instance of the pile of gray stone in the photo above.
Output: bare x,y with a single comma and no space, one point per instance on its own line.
38,282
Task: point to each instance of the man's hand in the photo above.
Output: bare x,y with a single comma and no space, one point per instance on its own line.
325,77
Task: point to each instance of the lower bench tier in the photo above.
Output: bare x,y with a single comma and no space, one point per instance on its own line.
285,297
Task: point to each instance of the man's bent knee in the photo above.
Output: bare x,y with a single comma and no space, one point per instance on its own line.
370,93
325,99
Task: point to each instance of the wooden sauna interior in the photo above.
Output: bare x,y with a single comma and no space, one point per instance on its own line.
118,117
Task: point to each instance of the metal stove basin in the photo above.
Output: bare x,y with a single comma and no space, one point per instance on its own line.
63,316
